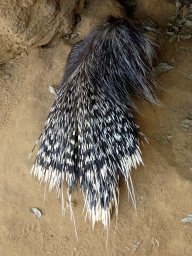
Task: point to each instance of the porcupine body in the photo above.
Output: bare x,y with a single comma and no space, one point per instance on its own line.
90,135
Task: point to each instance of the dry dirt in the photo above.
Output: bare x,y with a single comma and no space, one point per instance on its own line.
32,23
163,186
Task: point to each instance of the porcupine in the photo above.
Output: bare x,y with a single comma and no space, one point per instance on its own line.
90,135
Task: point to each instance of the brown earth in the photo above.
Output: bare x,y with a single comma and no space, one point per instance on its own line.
30,23
163,186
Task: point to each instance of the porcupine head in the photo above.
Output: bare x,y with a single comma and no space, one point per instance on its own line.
90,135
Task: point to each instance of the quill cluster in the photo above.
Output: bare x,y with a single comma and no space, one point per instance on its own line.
90,135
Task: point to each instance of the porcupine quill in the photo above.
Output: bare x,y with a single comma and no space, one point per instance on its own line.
90,135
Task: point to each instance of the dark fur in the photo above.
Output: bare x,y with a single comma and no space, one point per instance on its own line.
91,135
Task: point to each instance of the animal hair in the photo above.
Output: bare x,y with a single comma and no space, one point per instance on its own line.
91,135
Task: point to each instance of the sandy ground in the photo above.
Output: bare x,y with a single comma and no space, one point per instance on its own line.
163,186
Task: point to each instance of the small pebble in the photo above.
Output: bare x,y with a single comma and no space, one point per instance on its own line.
52,89
135,246
187,123
36,212
7,76
188,219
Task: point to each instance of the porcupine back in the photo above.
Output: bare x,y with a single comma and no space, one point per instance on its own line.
90,135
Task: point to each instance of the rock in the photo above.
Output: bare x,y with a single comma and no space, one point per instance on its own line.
36,212
29,23
161,68
187,123
188,219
